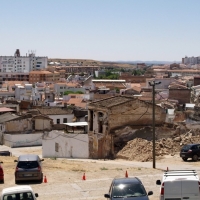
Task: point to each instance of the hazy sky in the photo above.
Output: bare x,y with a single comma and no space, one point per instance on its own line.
114,30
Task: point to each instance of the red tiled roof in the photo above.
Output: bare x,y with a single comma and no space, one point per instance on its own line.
4,109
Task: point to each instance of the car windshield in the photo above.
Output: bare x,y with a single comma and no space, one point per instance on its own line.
128,190
19,196
27,164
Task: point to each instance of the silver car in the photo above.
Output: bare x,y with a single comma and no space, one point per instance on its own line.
29,167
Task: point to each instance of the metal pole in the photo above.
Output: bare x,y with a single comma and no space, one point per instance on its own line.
153,123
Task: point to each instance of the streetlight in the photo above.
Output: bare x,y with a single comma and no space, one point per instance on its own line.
153,83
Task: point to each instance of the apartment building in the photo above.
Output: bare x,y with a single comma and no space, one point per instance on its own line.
44,76
17,67
191,60
22,64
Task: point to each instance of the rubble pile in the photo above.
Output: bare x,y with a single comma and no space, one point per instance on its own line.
141,150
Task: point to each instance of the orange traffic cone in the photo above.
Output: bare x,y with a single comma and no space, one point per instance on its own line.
126,174
45,179
84,178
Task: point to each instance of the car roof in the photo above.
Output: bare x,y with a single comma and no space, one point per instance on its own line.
127,180
28,157
191,144
22,188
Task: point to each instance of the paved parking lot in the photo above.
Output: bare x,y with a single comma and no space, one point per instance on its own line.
64,176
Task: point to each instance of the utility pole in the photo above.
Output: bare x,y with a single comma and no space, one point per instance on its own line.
153,83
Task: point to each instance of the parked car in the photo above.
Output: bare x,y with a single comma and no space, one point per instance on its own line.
5,153
179,184
1,173
129,188
190,151
29,167
18,192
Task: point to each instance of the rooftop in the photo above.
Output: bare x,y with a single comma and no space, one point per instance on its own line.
54,111
4,109
112,101
8,117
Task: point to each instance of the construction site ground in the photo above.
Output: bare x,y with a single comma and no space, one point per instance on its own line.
64,176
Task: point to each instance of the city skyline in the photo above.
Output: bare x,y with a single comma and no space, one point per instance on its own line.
112,30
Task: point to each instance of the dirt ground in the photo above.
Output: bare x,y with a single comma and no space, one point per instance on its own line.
64,176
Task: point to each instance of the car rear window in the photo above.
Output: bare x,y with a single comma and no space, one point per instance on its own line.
128,190
27,164
187,147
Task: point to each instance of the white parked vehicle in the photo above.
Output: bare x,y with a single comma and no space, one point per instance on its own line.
179,185
24,192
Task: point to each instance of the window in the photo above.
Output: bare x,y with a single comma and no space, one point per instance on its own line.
91,119
56,147
58,121
65,120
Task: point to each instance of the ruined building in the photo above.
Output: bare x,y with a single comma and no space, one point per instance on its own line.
107,115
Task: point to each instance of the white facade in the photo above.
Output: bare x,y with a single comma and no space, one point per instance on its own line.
23,140
22,64
23,92
60,119
61,88
57,144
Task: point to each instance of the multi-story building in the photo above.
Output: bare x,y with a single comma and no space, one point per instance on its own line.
19,64
191,60
17,67
44,76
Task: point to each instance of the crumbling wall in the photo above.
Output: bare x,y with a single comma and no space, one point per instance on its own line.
135,113
18,126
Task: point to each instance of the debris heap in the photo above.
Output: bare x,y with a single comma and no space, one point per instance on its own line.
141,150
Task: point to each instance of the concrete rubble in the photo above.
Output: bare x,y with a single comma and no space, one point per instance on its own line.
140,149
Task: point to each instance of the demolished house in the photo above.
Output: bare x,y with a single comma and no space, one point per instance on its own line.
108,115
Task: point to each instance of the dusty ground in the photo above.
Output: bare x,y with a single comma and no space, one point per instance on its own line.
64,176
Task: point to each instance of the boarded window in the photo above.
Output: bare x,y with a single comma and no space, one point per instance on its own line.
56,147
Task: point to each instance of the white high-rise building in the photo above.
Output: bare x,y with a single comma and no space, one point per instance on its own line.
22,64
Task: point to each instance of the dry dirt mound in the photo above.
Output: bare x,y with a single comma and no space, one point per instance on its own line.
141,150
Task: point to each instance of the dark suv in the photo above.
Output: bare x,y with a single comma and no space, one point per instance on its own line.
190,151
129,188
29,167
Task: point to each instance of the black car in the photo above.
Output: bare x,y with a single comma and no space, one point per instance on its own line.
190,151
129,188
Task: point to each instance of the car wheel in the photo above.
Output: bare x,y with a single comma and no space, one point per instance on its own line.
184,159
194,157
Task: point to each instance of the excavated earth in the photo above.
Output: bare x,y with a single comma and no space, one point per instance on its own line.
141,149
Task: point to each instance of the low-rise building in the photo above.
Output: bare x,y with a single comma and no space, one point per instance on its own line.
58,115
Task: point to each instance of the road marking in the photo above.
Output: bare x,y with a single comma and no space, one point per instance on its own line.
76,187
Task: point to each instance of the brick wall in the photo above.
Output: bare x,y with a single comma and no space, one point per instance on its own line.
182,95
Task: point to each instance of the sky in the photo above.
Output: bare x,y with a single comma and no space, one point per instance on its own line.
104,30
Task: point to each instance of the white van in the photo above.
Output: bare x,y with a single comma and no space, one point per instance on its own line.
179,185
18,193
